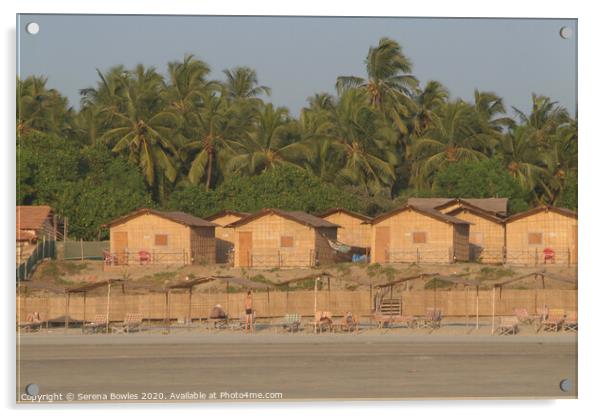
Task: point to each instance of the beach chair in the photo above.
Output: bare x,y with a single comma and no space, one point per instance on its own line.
322,321
387,311
144,257
522,315
549,255
554,320
508,325
242,321
99,323
570,323
291,322
432,319
347,323
132,322
32,323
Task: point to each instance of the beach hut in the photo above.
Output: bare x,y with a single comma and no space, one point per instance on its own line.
542,235
278,238
487,232
224,237
353,229
156,237
418,234
495,205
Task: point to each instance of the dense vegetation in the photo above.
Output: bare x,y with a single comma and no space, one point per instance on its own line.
184,141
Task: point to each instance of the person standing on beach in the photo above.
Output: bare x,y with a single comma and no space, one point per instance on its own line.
249,312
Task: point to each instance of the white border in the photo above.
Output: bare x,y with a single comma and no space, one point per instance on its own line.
590,157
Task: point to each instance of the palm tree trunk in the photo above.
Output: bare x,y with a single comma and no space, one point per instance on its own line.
209,171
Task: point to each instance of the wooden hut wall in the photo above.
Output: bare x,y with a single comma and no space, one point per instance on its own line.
324,252
527,237
224,237
412,237
274,242
169,240
202,245
486,238
352,231
461,250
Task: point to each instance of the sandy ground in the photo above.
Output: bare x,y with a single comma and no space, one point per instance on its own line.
374,364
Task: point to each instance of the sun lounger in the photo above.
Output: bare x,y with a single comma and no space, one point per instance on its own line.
508,325
523,317
431,320
132,322
292,322
570,323
554,320
387,311
322,321
347,323
32,323
98,324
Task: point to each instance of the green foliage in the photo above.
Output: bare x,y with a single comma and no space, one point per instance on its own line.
182,142
437,283
480,179
285,188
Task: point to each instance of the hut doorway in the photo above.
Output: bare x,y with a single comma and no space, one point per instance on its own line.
383,240
245,245
120,240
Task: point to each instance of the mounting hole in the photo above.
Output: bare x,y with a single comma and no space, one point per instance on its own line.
566,385
32,389
32,28
566,32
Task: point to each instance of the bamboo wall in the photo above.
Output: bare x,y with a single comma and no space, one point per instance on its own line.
324,253
202,245
141,232
454,303
266,250
352,231
491,248
224,237
439,238
558,232
461,244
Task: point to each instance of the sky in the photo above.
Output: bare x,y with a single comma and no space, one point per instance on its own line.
300,56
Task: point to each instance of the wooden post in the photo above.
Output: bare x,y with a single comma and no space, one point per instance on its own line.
168,324
84,323
54,221
190,306
65,228
477,307
328,293
228,297
493,310
81,248
108,306
466,305
67,311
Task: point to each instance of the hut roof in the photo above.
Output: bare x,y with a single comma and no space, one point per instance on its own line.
179,217
423,210
496,205
187,284
226,213
91,286
478,212
32,217
345,211
297,216
308,277
456,279
543,208
542,273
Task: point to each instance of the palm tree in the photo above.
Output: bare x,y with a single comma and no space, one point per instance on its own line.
41,110
389,81
521,157
143,129
241,83
213,131
455,135
186,82
428,101
545,117
363,143
272,143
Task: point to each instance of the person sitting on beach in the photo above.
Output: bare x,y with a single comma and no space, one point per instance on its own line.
217,312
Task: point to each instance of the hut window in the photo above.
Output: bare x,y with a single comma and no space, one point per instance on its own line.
535,238
160,239
419,237
286,241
